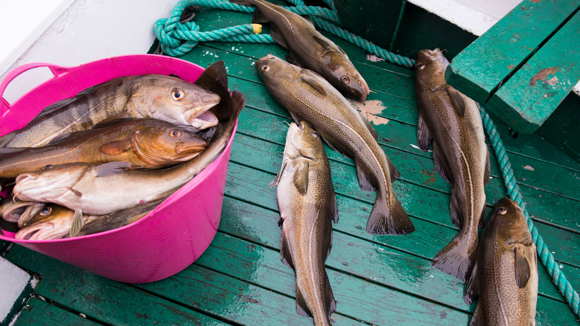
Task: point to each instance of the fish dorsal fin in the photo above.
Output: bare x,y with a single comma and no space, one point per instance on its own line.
441,165
112,121
457,101
285,250
300,177
364,177
308,19
259,17
53,107
522,266
111,168
454,211
487,173
324,43
472,289
77,224
301,306
370,127
424,136
313,82
116,147
277,36
276,180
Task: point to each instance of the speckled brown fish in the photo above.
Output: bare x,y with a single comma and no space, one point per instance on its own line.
146,96
506,273
309,97
307,204
452,122
308,48
147,143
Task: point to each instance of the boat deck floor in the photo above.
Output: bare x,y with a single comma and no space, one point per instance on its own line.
377,280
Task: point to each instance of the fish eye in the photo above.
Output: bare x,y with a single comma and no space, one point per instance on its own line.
344,79
265,68
177,94
420,66
48,167
315,134
175,133
502,210
45,211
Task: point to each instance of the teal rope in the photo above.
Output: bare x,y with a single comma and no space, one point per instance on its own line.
513,190
177,39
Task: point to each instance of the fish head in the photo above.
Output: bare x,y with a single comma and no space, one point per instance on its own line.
430,67
52,222
508,221
164,143
303,141
345,77
275,71
173,100
49,183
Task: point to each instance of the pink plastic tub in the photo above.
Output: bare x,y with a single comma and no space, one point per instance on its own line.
171,237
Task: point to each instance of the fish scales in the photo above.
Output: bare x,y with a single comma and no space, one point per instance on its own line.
309,97
307,204
452,122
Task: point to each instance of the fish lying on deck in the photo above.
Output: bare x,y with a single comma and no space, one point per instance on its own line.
506,273
309,97
452,122
307,204
106,188
147,143
145,96
308,48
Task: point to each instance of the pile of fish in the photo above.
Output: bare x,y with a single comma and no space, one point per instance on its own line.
108,156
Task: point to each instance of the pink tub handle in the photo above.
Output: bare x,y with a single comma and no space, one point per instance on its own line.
56,70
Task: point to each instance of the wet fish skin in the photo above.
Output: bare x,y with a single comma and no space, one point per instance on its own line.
52,222
144,96
309,97
147,143
506,273
452,122
106,188
307,204
309,48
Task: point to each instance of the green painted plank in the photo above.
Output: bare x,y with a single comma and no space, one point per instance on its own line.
483,65
355,297
105,300
414,169
39,312
531,95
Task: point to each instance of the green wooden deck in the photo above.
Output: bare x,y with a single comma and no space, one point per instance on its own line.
377,280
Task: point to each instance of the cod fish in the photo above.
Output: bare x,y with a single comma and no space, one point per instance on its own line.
505,276
106,188
309,97
452,122
307,204
146,96
147,143
308,48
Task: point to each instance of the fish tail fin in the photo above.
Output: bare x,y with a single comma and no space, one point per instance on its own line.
459,256
215,79
389,219
329,303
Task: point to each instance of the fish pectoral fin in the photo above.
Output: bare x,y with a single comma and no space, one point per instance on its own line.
487,173
522,267
314,83
116,147
291,60
111,168
301,306
77,224
308,19
324,43
457,100
259,17
300,177
472,288
285,250
369,126
276,180
277,36
365,180
441,165
424,136
74,191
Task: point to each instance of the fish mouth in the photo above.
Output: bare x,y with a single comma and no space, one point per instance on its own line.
190,147
14,212
204,120
39,232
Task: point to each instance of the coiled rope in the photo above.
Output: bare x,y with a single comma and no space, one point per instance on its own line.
178,38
